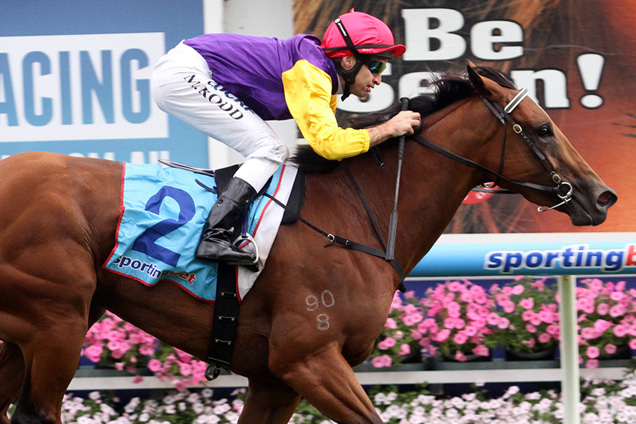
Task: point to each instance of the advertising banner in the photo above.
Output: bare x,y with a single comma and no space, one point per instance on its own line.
576,57
75,79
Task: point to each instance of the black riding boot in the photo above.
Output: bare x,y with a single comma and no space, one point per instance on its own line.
216,242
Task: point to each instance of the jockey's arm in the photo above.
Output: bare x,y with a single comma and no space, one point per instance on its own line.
309,99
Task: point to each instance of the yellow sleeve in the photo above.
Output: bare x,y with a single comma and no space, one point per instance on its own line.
309,99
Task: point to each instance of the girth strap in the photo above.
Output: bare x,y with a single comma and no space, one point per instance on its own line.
225,322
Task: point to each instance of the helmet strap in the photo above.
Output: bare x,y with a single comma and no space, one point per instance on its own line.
349,75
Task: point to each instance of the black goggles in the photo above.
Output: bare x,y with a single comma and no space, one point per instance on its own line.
375,66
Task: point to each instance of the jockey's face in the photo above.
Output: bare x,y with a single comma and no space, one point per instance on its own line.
365,80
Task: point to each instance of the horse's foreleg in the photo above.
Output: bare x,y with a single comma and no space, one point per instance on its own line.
327,381
11,376
51,359
267,404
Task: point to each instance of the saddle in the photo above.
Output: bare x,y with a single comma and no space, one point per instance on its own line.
223,176
294,204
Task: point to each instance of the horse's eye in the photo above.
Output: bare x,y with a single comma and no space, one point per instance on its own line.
545,131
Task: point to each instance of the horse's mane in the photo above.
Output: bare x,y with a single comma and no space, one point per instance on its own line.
448,89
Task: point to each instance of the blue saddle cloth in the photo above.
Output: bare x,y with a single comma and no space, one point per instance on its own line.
163,214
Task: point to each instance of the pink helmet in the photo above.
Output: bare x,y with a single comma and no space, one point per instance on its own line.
368,34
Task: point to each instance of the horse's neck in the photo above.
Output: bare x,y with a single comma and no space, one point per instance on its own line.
430,192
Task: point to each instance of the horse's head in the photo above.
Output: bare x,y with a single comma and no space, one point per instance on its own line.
538,153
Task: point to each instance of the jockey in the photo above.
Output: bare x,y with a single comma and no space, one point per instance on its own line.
228,85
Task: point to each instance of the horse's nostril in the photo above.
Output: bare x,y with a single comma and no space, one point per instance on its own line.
607,199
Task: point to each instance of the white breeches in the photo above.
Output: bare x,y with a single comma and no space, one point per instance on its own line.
182,86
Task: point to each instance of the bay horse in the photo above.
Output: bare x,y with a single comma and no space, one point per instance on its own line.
314,312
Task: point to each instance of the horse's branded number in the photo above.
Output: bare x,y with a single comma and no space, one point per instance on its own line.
327,300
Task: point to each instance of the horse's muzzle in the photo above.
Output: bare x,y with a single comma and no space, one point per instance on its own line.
592,210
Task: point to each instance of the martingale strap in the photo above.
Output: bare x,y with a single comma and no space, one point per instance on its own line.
350,244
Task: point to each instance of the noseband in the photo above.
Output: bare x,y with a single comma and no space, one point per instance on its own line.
562,189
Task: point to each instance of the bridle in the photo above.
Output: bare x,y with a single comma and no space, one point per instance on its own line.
562,189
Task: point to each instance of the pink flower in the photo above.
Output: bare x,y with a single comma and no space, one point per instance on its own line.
610,349
508,307
387,343
601,325
449,323
455,286
147,350
481,350
632,344
620,330
617,296
466,296
405,349
617,311
493,319
553,330
154,365
544,338
527,303
592,352
454,309
390,323
547,316
527,315
590,333
382,361
460,338
411,319
460,356
94,352
443,335
518,289
503,323
185,369
481,298
586,305
183,356
594,284
531,328
479,324
471,331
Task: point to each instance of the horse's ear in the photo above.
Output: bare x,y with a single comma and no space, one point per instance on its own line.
477,80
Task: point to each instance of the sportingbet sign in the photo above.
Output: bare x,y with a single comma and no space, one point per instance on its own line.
530,254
